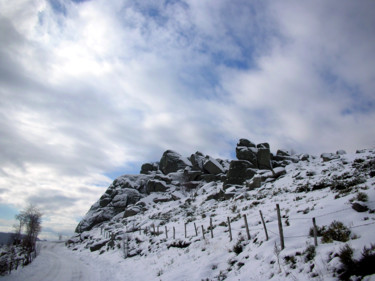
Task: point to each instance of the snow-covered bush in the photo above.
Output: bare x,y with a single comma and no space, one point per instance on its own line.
352,267
336,231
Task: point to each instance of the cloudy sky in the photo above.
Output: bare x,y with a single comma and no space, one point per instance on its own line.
91,89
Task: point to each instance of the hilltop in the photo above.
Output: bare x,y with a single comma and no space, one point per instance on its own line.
184,218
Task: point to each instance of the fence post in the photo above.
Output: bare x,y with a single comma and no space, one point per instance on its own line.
211,228
264,224
174,233
315,232
166,232
185,230
230,229
153,226
203,231
247,227
280,227
196,230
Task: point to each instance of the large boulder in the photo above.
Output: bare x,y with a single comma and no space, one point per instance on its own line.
93,217
147,168
125,197
245,142
239,171
264,158
248,154
254,183
197,160
212,166
171,162
156,186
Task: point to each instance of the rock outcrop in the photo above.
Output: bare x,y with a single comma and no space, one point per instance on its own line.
175,174
171,162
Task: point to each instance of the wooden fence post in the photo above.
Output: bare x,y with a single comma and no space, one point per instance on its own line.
230,229
185,230
211,228
315,233
196,230
153,226
280,227
203,231
174,233
264,224
166,232
247,227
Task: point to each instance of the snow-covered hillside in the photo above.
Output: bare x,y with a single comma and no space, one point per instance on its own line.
157,225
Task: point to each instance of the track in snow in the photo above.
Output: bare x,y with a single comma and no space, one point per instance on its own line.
54,263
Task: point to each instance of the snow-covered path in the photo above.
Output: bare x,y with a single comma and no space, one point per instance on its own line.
55,263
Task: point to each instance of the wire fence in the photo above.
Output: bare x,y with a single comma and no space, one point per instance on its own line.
231,226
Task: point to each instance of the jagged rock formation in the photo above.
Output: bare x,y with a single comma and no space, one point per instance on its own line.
144,215
174,173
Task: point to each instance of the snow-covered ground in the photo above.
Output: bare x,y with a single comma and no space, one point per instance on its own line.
56,263
301,194
309,189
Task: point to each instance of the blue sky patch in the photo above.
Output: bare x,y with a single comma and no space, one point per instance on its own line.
8,211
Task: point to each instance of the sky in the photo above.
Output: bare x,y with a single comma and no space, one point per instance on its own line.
90,90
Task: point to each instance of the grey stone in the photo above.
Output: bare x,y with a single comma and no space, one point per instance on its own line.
239,171
197,160
217,195
264,158
282,152
212,166
104,200
98,245
254,183
263,145
278,172
171,162
329,156
94,217
146,168
156,186
245,142
191,175
125,197
131,211
247,153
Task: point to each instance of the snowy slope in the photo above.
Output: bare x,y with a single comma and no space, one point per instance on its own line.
310,189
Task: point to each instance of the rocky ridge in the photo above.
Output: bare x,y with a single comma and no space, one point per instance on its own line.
174,173
136,215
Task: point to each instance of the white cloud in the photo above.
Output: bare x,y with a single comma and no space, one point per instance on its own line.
90,88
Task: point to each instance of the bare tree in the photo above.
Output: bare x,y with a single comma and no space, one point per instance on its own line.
17,236
31,219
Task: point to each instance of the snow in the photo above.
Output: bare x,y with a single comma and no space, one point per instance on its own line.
153,257
56,263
